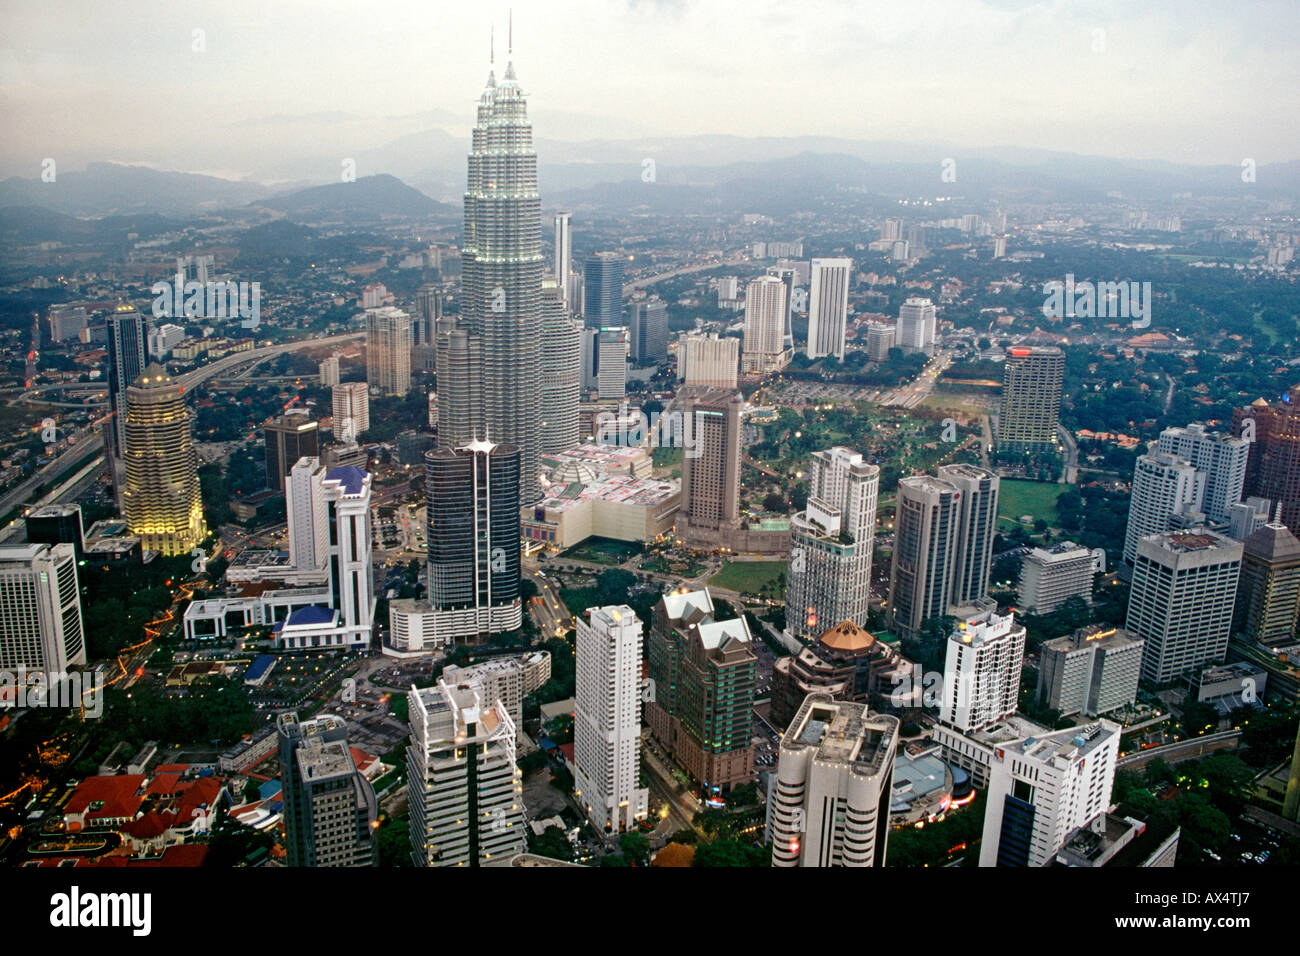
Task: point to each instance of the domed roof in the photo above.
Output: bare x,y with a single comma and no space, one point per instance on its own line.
847,637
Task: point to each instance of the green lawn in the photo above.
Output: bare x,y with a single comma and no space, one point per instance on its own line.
603,551
1018,497
748,577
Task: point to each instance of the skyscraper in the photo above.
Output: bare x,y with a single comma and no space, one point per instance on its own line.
1051,576
347,492
649,330
789,278
428,309
465,790
501,301
561,372
607,719
1273,466
1093,671
611,364
1031,399
707,360
459,366
977,511
161,501
602,298
880,339
1268,591
126,363
828,579
563,256
329,371
330,810
388,350
917,325
307,518
981,673
40,627
288,438
1165,488
1220,457
926,524
710,510
828,307
829,805
1181,600
764,349
351,401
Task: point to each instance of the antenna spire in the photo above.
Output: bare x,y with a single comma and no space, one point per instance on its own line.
510,32
492,45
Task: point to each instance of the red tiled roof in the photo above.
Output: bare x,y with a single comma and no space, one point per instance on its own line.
567,750
117,793
165,783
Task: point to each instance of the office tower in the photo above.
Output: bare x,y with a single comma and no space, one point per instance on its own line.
501,299
388,350
288,438
828,307
977,512
472,500
649,330
1031,399
1043,788
763,349
40,627
602,298
1273,466
1268,591
330,811
1247,517
464,785
344,455
459,367
428,310
981,673
728,289
1165,488
126,363
710,509
563,256
1181,599
351,401
702,673
917,325
505,679
1051,576
329,371
999,247
789,278
926,521
891,229
163,338
707,361
829,804
1220,457
307,518
1093,671
66,321
880,339
589,352
352,591
828,579
611,364
55,524
161,502
561,372
845,661
607,719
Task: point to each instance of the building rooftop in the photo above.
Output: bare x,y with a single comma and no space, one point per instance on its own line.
843,732
350,477
848,638
619,489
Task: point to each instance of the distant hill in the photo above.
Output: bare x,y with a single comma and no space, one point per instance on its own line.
106,189
38,224
367,198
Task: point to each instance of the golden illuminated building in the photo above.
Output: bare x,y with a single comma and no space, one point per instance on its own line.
161,502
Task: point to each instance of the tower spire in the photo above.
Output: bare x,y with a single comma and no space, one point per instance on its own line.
510,33
492,45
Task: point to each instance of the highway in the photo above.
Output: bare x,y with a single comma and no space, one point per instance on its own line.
1181,750
910,396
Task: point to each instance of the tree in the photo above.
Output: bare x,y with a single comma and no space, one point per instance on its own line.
635,847
731,853
551,843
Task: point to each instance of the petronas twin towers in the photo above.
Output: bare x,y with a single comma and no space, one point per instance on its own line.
489,361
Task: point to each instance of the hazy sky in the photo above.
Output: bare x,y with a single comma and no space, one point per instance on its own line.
1189,81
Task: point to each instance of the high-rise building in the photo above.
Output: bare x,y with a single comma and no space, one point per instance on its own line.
611,364
40,609
917,325
473,540
829,803
649,330
465,789
505,679
977,515
561,372
1031,398
288,438
307,518
351,401
501,299
828,307
880,339
563,256
1051,576
1166,489
388,350
55,524
163,338
707,361
1093,671
1181,600
607,719
1247,517
1043,788
981,673
459,367
602,298
66,321
702,674
1273,466
127,341
161,501
763,348
926,524
828,579
1268,591
330,811
329,371
1221,458
428,310
789,278
347,492
710,509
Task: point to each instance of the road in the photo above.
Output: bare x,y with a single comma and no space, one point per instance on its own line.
910,396
684,270
1182,750
1070,474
